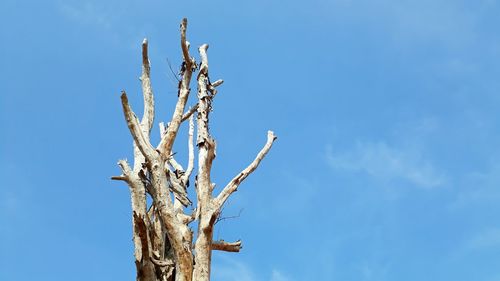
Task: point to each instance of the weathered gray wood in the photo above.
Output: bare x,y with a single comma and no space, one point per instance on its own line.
163,239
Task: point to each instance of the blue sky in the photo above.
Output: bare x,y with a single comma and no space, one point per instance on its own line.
386,165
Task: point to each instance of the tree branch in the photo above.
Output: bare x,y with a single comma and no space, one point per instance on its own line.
168,139
222,245
220,218
162,263
160,192
204,59
162,238
232,186
184,218
178,188
119,178
175,164
190,166
185,44
125,171
189,113
206,154
163,129
141,231
205,143
125,167
135,129
147,92
217,83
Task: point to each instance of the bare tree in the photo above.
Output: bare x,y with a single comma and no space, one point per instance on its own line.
163,238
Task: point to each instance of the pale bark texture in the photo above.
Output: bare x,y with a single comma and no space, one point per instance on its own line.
165,246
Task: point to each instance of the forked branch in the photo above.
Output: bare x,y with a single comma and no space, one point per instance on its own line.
125,171
163,239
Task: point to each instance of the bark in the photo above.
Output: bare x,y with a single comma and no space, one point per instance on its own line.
206,154
226,246
163,239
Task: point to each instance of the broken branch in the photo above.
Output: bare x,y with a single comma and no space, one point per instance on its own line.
147,92
222,245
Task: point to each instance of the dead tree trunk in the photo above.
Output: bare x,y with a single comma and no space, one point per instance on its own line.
163,239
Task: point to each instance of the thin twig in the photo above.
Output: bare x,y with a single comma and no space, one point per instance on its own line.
219,218
172,71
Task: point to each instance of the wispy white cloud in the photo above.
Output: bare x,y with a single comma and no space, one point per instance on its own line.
385,162
278,276
455,27
487,239
226,269
449,23
482,241
87,13
229,269
478,189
